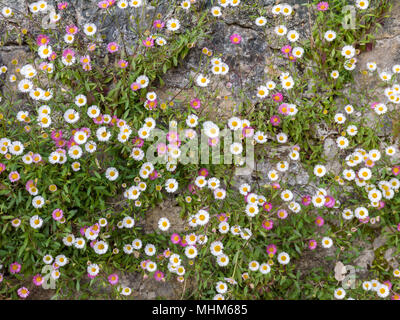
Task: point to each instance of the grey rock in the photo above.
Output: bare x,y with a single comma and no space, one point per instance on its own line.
391,256
364,261
330,153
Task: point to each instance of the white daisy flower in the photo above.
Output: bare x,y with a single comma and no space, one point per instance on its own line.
283,258
163,224
173,24
36,222
112,174
340,293
89,29
222,260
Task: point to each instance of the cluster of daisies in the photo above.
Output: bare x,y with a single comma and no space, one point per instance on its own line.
218,67
216,11
382,290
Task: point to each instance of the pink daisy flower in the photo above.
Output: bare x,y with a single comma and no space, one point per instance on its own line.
29,184
365,220
388,283
175,144
166,253
123,64
267,206
144,263
113,279
56,135
369,163
277,97
53,56
203,172
103,4
271,249
322,6
319,221
95,228
162,148
138,142
306,200
43,66
37,158
248,132
268,224
15,267
86,66
374,104
175,238
282,214
91,46
71,143
154,175
396,170
57,214
82,230
14,176
87,131
68,54
60,143
38,280
235,38
172,136
212,142
112,47
151,104
312,244
283,109
85,59
62,5
222,217
275,120
62,151
158,24
99,119
158,275
183,243
195,103
42,40
114,120
23,292
286,50
135,86
2,167
71,29
148,42
329,202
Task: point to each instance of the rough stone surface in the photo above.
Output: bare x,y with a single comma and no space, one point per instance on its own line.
296,176
168,209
